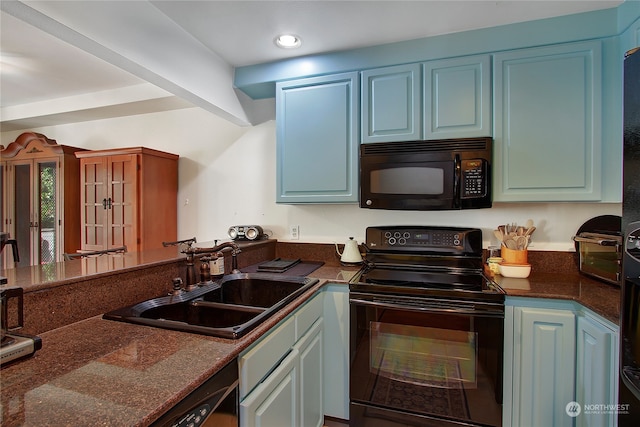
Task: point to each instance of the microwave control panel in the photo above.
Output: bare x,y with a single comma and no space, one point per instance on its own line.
474,181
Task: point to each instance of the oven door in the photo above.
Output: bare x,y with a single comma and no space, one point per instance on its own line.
425,362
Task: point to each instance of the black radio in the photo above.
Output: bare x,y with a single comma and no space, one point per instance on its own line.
245,232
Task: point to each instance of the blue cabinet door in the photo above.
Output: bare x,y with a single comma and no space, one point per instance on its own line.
543,366
275,401
596,372
457,98
311,377
391,104
317,139
548,123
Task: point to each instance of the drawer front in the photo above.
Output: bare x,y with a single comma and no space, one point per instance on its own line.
256,363
307,315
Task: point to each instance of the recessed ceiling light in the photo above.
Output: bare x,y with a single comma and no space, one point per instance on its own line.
288,41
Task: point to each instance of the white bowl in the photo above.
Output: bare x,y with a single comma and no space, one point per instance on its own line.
515,270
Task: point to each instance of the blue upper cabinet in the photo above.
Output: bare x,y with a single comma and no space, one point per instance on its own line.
457,97
317,139
630,38
391,102
548,136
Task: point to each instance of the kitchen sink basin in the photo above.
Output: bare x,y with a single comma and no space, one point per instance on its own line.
227,308
255,290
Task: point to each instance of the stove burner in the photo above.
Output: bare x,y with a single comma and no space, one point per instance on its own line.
430,280
432,261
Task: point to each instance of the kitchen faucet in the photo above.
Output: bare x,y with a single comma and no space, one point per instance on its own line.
192,252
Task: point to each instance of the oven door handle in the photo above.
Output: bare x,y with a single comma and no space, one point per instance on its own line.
473,309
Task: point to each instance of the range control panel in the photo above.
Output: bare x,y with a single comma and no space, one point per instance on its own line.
424,239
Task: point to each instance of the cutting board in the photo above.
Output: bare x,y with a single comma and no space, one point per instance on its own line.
299,268
278,265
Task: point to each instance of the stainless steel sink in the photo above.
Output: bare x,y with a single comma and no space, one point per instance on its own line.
227,308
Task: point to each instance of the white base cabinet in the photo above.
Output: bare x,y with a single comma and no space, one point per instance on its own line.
560,365
309,354
281,376
275,401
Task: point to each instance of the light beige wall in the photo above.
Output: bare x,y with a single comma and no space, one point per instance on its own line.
227,177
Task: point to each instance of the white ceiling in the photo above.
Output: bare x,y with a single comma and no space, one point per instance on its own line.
38,67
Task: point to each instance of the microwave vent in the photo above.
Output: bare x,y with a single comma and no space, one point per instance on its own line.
470,144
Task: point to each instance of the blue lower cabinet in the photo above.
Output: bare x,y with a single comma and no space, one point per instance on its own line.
596,372
281,375
543,367
560,365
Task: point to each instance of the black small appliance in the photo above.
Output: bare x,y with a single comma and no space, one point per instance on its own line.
426,175
14,346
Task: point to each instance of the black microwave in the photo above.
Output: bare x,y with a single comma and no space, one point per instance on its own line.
447,174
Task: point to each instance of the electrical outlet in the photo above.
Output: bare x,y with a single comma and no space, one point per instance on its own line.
294,232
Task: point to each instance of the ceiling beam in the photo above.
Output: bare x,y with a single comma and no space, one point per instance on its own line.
138,38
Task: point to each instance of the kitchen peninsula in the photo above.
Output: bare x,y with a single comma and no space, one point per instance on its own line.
116,373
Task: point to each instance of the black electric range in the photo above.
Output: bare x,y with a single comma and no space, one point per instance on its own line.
426,261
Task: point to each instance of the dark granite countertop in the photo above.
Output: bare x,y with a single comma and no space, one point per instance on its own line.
46,276
113,374
600,297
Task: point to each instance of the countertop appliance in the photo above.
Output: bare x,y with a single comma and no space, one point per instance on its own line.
426,175
426,331
598,243
213,404
245,232
14,346
629,385
6,240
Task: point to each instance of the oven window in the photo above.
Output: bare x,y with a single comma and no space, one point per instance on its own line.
408,180
423,356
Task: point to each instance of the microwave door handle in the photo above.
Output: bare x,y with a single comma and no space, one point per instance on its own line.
457,173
